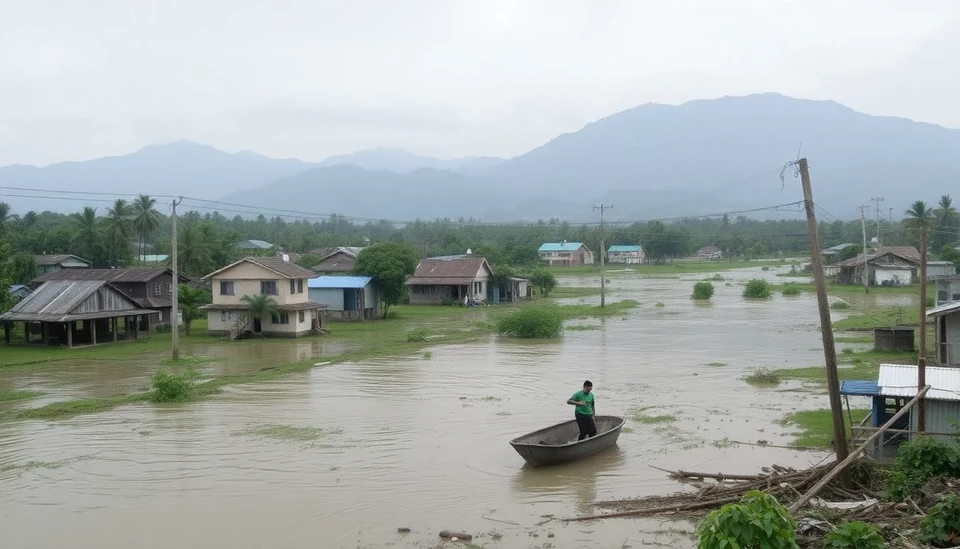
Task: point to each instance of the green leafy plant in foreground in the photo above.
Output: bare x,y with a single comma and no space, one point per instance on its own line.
919,461
854,535
757,522
173,387
702,290
941,526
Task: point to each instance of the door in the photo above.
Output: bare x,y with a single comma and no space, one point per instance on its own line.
256,325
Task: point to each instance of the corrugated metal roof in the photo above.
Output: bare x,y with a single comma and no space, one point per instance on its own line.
463,268
275,264
254,245
439,281
105,275
944,309
859,388
339,282
56,259
57,301
622,248
561,246
900,380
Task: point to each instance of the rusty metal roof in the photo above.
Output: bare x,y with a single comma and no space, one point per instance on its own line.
57,302
105,275
459,268
56,259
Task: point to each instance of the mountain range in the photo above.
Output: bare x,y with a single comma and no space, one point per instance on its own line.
652,161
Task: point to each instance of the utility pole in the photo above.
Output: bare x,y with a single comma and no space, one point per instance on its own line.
175,295
603,272
865,273
826,325
922,359
878,200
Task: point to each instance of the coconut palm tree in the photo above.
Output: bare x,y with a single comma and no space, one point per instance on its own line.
146,220
118,229
87,235
946,231
190,300
6,218
921,218
259,306
193,251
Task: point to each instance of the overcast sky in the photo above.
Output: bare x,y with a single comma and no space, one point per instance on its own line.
311,79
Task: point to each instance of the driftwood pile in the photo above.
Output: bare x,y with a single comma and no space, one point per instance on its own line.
859,499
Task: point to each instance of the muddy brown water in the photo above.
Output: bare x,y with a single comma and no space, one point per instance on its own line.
343,455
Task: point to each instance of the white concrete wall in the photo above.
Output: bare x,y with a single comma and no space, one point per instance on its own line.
901,276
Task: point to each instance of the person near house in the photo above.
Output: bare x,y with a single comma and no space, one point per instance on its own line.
585,410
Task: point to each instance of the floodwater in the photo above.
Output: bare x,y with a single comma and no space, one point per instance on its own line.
344,455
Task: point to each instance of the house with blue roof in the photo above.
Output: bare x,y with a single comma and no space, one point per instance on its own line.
565,254
626,254
19,291
345,297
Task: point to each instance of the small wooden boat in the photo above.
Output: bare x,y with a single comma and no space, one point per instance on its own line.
559,444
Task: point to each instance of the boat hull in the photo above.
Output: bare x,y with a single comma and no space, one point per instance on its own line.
558,444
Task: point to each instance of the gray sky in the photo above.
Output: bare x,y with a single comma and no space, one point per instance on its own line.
311,79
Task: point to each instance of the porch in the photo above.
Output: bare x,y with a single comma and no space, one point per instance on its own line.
74,332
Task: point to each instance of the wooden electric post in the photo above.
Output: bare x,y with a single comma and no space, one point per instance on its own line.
603,269
175,295
826,325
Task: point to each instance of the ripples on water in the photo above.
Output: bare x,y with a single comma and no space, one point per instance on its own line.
421,442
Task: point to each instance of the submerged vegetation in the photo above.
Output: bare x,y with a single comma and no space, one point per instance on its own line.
173,387
758,289
532,322
702,290
762,377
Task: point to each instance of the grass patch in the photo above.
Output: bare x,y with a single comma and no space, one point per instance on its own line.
189,360
70,408
879,317
173,387
763,377
863,365
716,364
583,327
816,426
723,443
532,322
853,339
11,396
790,290
640,416
30,465
418,335
289,433
573,291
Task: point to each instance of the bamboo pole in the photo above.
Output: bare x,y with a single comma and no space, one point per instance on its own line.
853,455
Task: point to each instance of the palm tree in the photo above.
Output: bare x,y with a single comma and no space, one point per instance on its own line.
87,236
6,218
118,229
946,222
193,251
921,218
190,300
146,220
259,306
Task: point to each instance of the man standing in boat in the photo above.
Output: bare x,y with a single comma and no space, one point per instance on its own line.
585,410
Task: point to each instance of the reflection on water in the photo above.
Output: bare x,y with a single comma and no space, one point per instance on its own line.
412,441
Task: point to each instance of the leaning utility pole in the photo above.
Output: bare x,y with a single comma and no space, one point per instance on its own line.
175,294
865,273
826,325
603,272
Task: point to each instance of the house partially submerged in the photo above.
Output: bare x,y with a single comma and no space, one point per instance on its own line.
150,288
57,262
626,254
830,254
885,266
284,282
337,261
565,254
709,252
455,279
345,297
76,312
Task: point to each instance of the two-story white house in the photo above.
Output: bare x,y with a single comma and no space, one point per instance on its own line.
282,281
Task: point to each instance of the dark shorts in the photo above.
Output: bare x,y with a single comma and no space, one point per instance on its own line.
588,428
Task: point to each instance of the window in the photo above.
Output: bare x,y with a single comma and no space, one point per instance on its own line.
226,316
268,287
169,288
478,287
300,316
156,289
300,286
281,318
160,316
293,287
226,287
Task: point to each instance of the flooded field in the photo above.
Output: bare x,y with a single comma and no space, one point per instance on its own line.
344,455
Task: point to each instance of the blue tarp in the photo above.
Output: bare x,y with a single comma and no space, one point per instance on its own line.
859,388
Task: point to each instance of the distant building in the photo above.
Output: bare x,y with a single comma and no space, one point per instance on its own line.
57,262
345,297
886,266
255,245
337,261
830,254
565,254
630,255
709,252
154,259
940,268
457,279
948,289
19,291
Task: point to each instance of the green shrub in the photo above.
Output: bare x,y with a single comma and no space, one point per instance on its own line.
854,535
418,335
758,521
757,289
765,268
839,305
532,322
942,522
173,387
702,290
919,461
762,377
791,291
931,301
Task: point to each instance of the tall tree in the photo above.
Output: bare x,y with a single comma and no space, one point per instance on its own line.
87,237
6,218
6,300
921,218
190,300
946,231
194,254
118,230
146,221
23,268
389,263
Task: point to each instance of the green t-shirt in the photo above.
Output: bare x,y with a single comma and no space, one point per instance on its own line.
587,398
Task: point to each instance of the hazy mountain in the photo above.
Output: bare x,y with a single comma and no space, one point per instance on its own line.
181,168
401,161
652,161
